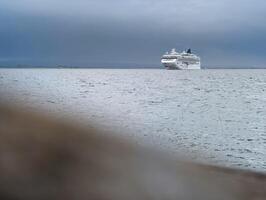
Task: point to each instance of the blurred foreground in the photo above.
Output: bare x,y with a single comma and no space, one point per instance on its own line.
41,158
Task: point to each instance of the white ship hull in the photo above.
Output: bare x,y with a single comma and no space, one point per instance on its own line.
181,66
181,61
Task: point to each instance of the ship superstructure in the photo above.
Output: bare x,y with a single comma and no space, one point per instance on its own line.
184,60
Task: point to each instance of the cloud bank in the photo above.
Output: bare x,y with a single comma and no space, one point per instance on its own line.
131,33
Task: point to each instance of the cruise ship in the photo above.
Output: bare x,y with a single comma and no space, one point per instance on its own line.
180,61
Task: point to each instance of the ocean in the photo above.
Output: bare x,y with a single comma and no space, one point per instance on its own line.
213,116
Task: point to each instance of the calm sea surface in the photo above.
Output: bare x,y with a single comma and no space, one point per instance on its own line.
216,116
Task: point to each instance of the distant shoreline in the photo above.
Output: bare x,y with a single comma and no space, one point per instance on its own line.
109,66
66,67
81,68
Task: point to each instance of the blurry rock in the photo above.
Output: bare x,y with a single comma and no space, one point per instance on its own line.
44,159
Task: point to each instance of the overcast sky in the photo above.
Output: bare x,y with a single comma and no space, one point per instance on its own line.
110,33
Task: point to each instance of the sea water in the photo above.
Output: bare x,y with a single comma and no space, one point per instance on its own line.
215,116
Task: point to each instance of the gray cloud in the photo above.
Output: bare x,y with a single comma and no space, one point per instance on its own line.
133,32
